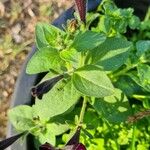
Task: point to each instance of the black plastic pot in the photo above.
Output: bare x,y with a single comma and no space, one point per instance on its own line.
24,82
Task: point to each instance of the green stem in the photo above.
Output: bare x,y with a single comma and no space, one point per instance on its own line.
123,71
147,15
82,113
140,96
133,137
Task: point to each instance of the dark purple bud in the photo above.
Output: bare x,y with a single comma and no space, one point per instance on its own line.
75,138
81,6
73,143
46,146
7,142
78,146
45,86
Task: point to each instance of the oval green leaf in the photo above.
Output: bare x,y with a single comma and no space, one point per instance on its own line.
88,40
44,60
92,81
57,101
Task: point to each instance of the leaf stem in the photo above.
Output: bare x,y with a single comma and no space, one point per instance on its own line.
147,15
123,71
82,113
133,137
140,96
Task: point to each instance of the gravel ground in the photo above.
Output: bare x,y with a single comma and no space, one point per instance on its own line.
17,23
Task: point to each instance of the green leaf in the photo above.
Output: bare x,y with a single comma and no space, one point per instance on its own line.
141,77
57,101
47,35
21,117
44,60
47,136
57,128
105,24
91,119
144,76
114,108
109,7
120,25
88,40
91,17
134,22
111,54
71,55
128,85
91,81
51,130
134,76
142,46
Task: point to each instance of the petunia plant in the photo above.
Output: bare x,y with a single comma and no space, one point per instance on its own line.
93,72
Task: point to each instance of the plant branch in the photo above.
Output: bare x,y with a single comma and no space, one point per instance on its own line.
82,113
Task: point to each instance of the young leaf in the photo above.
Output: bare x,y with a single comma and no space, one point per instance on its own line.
104,25
91,17
21,117
47,35
111,54
51,129
114,108
71,55
58,128
142,46
134,76
44,60
88,40
57,101
134,22
141,77
91,81
47,136
144,76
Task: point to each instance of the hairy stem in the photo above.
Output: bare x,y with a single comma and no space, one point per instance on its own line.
82,113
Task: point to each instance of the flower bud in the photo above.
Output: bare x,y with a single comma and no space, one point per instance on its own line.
46,146
45,86
81,7
7,142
